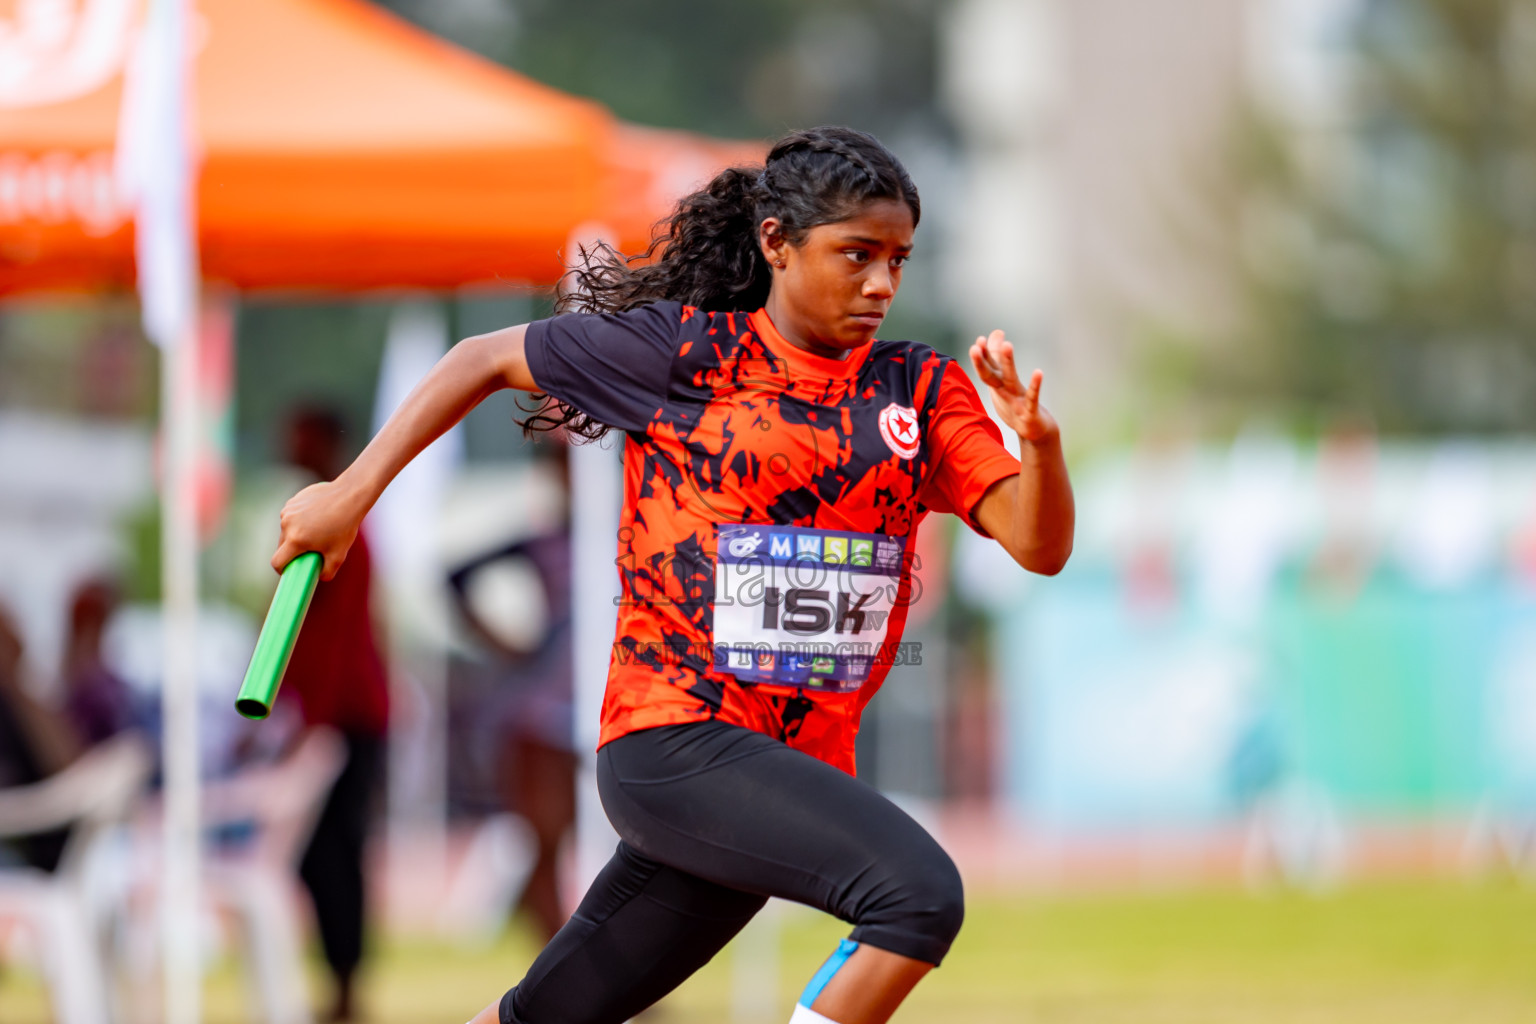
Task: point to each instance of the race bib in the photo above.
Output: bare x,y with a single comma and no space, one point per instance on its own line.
803,607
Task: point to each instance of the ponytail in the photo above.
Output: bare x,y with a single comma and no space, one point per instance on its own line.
709,256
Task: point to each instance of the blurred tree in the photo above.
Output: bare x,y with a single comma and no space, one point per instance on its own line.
1384,260
86,359
318,353
727,69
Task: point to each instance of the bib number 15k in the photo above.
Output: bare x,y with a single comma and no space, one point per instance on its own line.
803,607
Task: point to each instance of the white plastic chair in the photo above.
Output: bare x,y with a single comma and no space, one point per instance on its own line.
254,883
93,797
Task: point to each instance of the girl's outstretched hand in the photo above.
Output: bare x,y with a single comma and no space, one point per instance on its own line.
323,517
1017,404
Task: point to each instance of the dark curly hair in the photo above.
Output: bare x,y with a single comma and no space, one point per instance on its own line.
706,254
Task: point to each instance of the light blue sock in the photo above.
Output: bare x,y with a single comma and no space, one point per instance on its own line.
819,981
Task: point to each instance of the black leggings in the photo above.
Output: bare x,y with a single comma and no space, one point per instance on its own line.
714,819
332,868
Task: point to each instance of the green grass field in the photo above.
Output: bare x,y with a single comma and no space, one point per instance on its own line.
1379,954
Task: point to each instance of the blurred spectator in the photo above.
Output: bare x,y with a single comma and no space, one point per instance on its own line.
534,724
97,702
338,677
34,743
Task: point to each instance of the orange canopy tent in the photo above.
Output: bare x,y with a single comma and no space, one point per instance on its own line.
340,148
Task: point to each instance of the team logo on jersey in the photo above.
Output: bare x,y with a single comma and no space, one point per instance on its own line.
741,547
898,426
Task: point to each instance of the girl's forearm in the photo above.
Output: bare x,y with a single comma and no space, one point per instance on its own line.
461,380
1044,514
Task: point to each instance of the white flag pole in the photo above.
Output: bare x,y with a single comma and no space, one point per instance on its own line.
180,886
597,491
156,176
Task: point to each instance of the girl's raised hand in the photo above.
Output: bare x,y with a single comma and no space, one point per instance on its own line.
323,517
1017,404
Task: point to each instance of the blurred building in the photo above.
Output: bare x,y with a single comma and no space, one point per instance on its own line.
1094,132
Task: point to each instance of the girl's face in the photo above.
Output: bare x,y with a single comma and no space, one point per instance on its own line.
830,292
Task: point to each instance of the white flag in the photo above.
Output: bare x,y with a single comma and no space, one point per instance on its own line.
155,172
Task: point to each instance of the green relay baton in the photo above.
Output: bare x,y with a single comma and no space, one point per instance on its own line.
274,646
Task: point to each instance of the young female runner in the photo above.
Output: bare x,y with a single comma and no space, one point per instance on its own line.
777,461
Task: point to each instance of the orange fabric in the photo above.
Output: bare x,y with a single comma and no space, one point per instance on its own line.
341,149
649,169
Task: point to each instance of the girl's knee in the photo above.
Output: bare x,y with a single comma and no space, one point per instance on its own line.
944,899
919,911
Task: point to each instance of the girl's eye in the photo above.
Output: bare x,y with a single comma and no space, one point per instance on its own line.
857,255
899,261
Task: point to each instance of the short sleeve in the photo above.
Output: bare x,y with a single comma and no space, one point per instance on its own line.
968,448
612,366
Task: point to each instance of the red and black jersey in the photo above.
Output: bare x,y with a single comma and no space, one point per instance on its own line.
771,497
